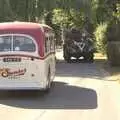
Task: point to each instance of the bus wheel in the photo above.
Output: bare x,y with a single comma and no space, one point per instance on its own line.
48,86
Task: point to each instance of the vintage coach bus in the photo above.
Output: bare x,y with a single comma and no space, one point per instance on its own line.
27,56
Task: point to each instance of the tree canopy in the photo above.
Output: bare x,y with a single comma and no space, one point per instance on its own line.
88,14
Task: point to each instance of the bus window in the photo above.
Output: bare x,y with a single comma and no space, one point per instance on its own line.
5,43
52,43
46,38
47,44
23,43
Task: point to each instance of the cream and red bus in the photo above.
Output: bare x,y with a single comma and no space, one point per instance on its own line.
27,56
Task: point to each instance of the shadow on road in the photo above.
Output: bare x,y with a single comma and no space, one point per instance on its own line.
61,96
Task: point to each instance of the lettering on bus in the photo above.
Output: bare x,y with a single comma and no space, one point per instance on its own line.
6,72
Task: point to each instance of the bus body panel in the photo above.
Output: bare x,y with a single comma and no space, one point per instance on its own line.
50,65
26,75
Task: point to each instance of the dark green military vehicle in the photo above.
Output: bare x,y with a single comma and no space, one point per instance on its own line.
78,44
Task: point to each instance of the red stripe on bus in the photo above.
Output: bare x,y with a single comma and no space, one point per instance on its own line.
8,55
42,58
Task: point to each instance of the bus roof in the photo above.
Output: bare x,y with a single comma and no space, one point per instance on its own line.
35,30
22,25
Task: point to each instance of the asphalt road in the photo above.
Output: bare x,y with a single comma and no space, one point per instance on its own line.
80,92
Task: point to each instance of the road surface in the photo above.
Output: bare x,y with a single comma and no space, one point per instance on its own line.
80,92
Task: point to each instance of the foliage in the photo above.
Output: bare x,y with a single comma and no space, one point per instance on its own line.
116,13
89,14
100,36
113,32
6,14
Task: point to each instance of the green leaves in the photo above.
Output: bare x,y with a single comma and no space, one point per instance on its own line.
116,13
100,37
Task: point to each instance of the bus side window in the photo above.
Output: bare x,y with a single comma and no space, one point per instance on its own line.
52,43
47,44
